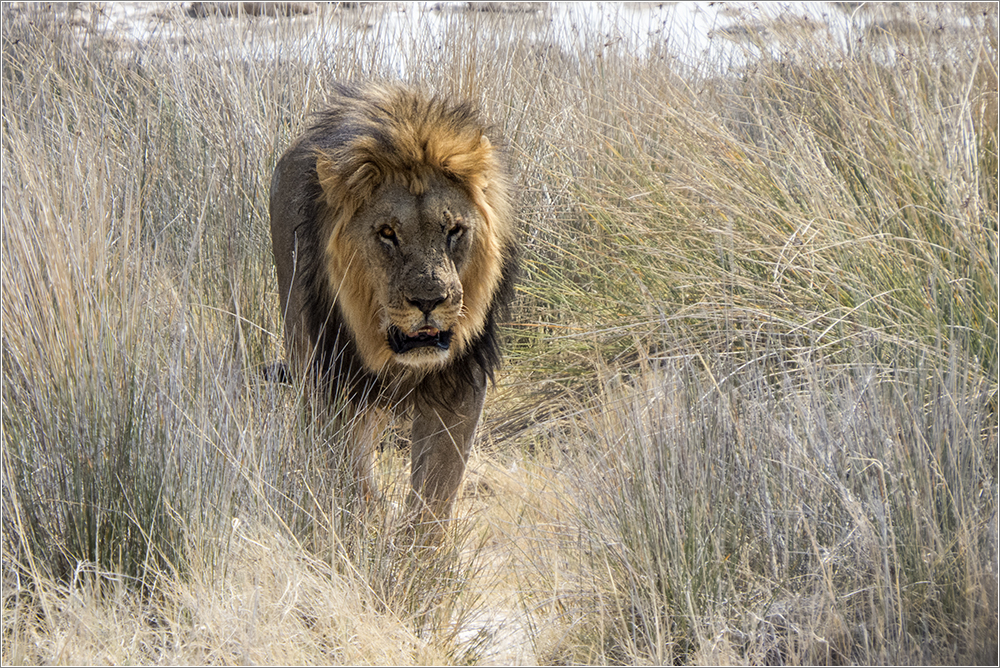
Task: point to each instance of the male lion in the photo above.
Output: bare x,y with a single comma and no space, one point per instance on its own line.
395,251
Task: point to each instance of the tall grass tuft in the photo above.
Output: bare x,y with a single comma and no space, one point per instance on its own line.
811,517
84,463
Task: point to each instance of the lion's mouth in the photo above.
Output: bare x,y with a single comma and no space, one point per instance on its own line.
422,338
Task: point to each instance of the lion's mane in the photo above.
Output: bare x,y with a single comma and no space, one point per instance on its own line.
366,137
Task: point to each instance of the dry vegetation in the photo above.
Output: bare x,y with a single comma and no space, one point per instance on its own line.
749,413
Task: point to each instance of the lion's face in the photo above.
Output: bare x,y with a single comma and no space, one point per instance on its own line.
404,258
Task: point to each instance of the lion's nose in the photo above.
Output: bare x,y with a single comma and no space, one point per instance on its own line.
426,305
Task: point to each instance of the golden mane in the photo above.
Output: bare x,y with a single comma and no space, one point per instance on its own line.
394,134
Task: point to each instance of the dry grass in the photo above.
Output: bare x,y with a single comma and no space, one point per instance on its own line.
750,410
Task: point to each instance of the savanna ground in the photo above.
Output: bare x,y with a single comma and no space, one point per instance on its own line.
749,410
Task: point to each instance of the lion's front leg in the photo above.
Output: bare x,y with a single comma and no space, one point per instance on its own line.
442,439
366,430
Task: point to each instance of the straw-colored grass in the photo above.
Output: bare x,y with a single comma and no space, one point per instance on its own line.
749,412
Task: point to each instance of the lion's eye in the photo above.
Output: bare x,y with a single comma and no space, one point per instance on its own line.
454,234
387,234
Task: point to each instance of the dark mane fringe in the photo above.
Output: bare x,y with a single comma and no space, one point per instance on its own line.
485,354
336,363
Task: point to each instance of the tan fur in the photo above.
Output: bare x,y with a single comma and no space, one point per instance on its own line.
412,238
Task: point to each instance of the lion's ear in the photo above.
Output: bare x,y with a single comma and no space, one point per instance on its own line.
346,189
469,161
329,180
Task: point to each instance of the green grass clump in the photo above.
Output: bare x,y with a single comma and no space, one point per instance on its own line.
793,209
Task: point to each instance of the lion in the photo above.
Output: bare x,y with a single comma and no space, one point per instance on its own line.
394,244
